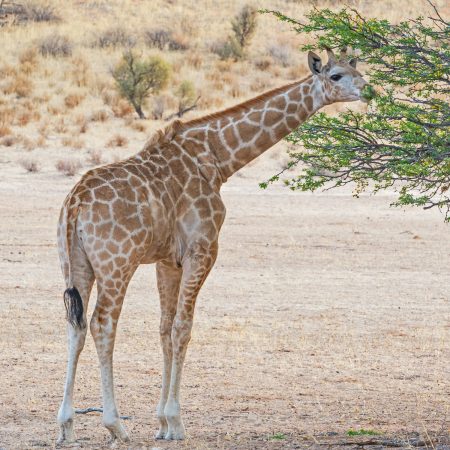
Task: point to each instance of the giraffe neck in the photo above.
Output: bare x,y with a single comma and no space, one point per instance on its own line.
238,135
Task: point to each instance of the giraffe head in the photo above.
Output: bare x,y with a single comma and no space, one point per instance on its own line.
340,80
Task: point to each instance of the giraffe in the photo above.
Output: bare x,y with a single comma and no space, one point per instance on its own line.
163,206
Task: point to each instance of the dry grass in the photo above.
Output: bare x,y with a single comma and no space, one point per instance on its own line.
117,141
30,165
60,60
68,166
73,100
20,85
99,116
55,45
4,130
95,157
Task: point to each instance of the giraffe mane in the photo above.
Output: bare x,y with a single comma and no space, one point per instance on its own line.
166,134
243,105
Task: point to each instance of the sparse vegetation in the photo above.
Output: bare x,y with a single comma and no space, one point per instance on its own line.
244,27
277,437
68,166
55,45
362,432
117,141
95,157
115,37
30,165
136,79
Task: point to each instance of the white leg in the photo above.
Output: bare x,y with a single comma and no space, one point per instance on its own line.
195,271
76,338
83,280
168,285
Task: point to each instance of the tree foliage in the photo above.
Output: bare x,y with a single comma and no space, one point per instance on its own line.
136,79
403,140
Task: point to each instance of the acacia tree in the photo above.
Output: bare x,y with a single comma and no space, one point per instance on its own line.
403,140
136,79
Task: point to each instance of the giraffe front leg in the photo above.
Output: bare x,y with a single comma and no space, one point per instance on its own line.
196,268
168,278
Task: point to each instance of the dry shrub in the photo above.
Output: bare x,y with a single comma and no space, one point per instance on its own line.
28,61
82,122
99,116
211,102
7,115
115,37
138,126
30,165
8,71
73,142
54,110
295,72
40,12
122,108
179,42
157,38
55,45
281,54
195,60
80,72
263,63
8,141
4,130
73,100
166,40
236,90
68,166
95,157
19,85
117,141
24,118
259,84
60,126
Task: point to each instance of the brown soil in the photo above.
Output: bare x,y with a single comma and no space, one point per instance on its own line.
324,313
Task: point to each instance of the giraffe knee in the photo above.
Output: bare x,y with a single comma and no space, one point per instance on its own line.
181,333
166,323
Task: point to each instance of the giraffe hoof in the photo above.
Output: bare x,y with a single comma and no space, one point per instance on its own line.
66,436
175,433
118,433
161,434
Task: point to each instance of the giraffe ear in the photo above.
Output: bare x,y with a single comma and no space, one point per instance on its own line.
314,62
353,62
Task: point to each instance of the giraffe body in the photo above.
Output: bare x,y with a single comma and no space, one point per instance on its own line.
163,206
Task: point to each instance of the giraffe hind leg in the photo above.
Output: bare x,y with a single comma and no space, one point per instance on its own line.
103,328
83,279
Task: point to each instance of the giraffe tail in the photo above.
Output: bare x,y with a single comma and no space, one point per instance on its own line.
72,298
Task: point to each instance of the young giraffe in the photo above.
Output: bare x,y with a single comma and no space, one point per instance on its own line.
163,205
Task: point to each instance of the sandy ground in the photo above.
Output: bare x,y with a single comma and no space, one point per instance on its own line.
324,313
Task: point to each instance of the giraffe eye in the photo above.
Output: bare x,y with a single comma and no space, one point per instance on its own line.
336,77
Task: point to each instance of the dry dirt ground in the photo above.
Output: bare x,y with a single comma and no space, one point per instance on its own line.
324,313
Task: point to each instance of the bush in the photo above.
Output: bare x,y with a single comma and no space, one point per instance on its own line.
158,38
186,95
30,165
163,39
55,45
244,27
402,141
39,12
136,79
68,167
115,37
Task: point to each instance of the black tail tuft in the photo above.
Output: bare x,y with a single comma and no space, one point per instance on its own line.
74,307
